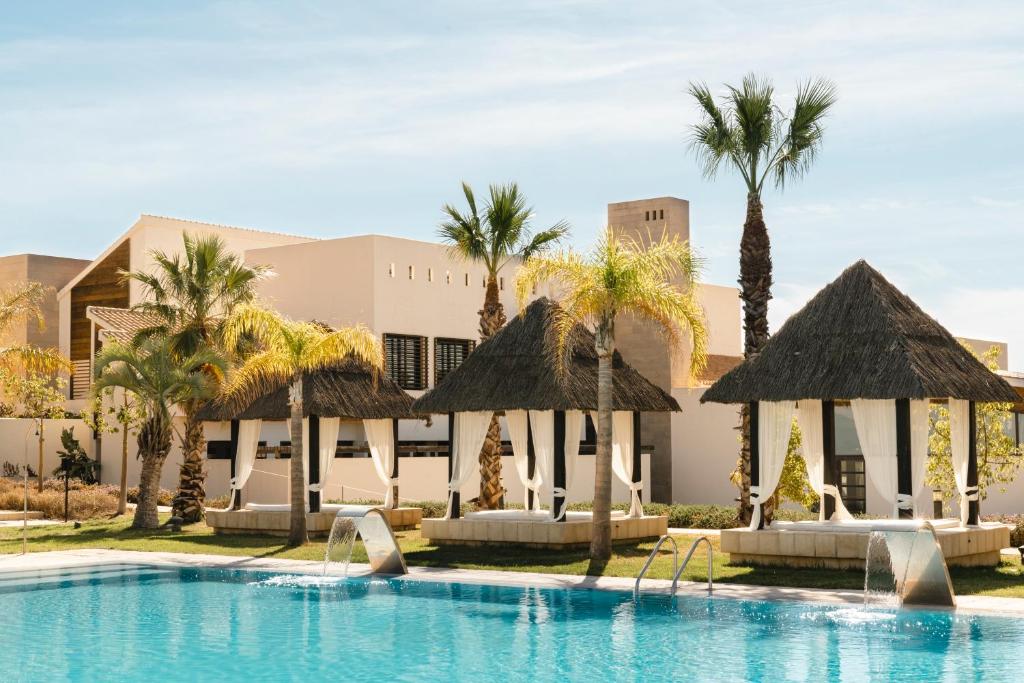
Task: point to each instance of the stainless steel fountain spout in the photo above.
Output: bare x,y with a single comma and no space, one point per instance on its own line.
372,526
906,560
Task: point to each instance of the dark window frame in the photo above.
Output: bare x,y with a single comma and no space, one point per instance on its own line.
442,366
412,374
855,496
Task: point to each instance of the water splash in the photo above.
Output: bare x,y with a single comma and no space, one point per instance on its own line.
906,566
880,580
340,544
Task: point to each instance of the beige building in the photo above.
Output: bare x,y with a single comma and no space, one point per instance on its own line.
51,271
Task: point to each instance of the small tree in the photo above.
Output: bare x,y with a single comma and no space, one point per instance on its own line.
78,463
129,414
794,484
95,418
999,457
40,396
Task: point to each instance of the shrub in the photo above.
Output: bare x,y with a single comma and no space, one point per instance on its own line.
84,502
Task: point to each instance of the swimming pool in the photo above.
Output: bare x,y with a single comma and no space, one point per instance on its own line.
132,623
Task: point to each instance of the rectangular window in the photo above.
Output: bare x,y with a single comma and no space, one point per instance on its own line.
412,272
467,279
501,283
391,270
661,213
430,274
405,358
449,354
447,277
852,483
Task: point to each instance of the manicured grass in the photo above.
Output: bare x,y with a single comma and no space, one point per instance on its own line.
1005,581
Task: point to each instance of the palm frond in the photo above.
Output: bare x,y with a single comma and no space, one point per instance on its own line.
801,135
335,347
712,140
33,359
21,302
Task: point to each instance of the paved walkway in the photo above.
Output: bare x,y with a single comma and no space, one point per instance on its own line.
40,562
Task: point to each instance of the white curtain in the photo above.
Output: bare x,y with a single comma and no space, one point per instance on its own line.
808,417
919,428
245,454
542,429
519,435
574,420
875,421
774,424
622,458
329,428
959,441
380,436
470,431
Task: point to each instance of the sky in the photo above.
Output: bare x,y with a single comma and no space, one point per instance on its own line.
337,118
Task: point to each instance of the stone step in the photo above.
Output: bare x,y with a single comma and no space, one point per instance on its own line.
18,515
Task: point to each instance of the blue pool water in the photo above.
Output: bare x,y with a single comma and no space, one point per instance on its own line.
127,623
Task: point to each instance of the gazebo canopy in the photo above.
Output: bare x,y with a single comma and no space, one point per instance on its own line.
517,369
861,338
350,391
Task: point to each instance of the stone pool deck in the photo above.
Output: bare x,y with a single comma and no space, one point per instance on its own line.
537,534
276,523
43,564
791,547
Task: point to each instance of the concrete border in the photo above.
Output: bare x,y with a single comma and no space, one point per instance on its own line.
90,558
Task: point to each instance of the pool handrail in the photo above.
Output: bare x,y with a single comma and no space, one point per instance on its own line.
689,554
650,560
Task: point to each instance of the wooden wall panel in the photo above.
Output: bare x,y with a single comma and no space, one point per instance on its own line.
101,287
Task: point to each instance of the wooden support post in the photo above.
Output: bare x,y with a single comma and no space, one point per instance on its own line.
531,462
974,506
456,496
314,462
236,498
828,442
394,467
904,478
638,463
558,476
755,452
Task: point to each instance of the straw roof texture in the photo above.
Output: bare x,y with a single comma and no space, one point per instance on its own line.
517,369
350,391
860,337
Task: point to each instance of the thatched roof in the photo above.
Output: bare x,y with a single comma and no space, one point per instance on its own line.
349,391
517,369
860,337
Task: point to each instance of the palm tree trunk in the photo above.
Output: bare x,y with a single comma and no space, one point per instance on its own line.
297,526
122,501
755,292
492,493
601,540
191,496
154,444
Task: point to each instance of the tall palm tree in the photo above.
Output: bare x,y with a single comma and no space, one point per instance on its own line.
159,379
189,294
23,302
501,235
285,350
746,131
655,282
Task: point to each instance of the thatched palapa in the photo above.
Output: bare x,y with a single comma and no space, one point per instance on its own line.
517,369
860,337
352,390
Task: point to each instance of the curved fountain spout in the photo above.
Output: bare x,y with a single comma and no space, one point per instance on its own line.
905,564
370,524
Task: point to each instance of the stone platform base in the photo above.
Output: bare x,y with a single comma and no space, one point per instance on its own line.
18,515
318,524
544,534
962,547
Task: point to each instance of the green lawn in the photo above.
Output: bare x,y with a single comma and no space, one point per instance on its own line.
1004,581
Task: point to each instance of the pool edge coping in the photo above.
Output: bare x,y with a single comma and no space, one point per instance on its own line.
68,559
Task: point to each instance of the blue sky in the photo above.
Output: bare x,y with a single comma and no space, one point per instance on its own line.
330,118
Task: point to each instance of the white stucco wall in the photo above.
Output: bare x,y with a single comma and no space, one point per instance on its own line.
705,446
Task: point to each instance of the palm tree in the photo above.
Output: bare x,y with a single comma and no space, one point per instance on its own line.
749,133
189,294
500,236
285,350
657,283
23,302
159,379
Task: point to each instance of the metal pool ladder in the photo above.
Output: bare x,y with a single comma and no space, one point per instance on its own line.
677,569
